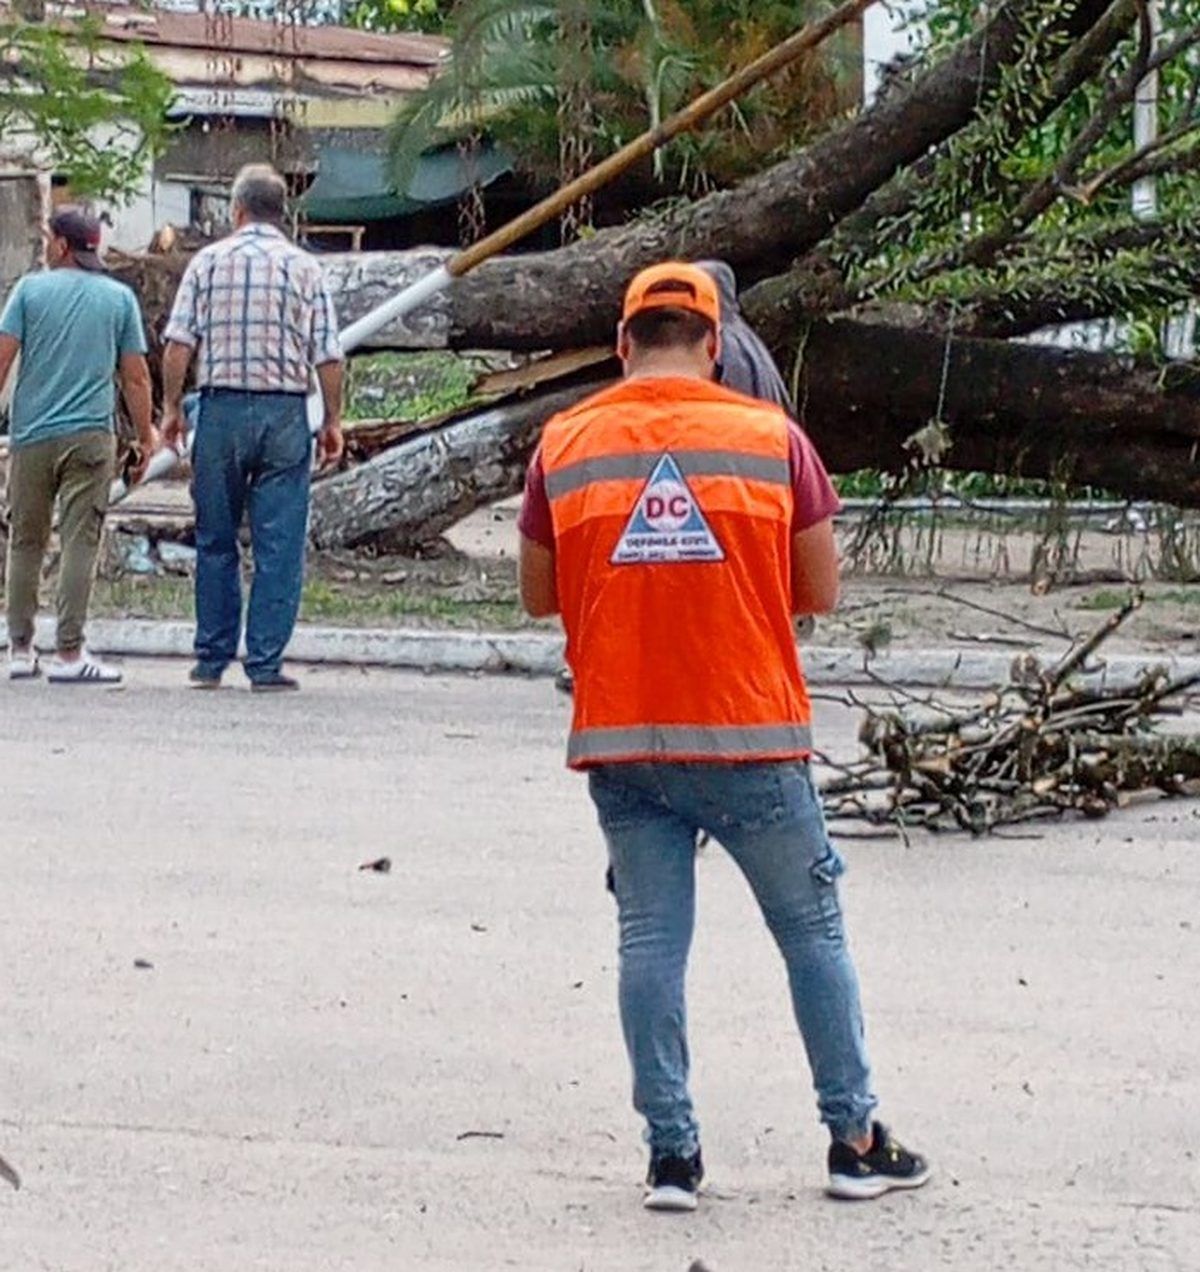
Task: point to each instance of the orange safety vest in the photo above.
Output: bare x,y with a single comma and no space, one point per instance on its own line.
671,501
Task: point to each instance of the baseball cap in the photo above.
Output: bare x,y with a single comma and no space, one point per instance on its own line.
82,233
673,285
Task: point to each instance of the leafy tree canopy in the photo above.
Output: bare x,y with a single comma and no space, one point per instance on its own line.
1034,199
524,70
97,120
398,15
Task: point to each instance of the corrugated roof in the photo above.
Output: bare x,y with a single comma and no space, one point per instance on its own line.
246,35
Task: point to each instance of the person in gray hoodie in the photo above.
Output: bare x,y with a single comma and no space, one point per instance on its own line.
745,363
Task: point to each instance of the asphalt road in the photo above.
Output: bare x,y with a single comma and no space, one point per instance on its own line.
226,1047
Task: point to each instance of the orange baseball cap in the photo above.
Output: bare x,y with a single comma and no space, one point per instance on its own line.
673,285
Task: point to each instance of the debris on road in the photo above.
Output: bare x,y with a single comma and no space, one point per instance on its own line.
1051,741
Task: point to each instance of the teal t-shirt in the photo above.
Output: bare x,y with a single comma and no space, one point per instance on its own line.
73,326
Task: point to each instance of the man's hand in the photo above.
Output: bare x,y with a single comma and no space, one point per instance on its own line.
149,443
174,430
330,444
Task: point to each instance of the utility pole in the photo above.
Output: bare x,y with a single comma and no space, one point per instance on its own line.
1145,121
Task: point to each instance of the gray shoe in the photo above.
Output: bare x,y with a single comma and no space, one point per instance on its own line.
274,684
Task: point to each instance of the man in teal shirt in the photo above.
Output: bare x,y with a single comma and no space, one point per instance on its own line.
73,326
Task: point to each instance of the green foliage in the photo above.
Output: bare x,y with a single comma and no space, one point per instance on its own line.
398,15
357,605
870,483
1033,198
407,386
1102,601
98,118
1144,339
363,603
514,63
501,67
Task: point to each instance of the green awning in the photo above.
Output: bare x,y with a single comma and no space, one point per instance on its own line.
352,186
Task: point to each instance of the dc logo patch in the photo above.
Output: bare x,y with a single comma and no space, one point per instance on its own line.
667,524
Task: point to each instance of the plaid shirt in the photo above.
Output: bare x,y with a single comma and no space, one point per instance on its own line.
259,309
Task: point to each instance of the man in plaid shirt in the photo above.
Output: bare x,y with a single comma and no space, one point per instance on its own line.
255,313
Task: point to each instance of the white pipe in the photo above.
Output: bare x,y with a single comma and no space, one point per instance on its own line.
165,461
402,303
162,464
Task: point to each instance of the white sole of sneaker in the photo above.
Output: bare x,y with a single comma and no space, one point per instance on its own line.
669,1198
104,678
849,1188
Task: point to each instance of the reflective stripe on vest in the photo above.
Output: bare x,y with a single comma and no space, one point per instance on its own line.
691,463
730,742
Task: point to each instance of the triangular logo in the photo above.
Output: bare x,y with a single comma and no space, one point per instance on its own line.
667,524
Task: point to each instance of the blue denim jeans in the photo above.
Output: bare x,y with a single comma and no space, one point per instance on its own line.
768,817
252,455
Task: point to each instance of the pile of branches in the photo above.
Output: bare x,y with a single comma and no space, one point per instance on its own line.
1052,741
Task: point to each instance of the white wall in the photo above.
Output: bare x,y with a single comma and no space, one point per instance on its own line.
160,203
883,40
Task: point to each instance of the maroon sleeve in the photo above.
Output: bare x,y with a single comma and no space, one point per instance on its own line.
816,499
534,521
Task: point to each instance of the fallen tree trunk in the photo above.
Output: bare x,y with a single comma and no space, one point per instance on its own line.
408,495
1092,419
1025,410
866,389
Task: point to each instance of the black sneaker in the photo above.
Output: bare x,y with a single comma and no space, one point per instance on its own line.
201,678
887,1164
673,1182
278,683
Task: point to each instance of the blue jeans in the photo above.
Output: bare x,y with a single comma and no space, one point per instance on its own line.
769,819
252,454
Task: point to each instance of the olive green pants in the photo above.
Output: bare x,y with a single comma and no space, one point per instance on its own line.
75,470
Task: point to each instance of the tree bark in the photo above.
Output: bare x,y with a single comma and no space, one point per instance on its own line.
1026,410
408,495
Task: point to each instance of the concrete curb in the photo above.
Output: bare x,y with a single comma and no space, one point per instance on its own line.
541,653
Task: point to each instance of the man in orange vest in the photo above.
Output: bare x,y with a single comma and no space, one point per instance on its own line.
677,526
745,364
